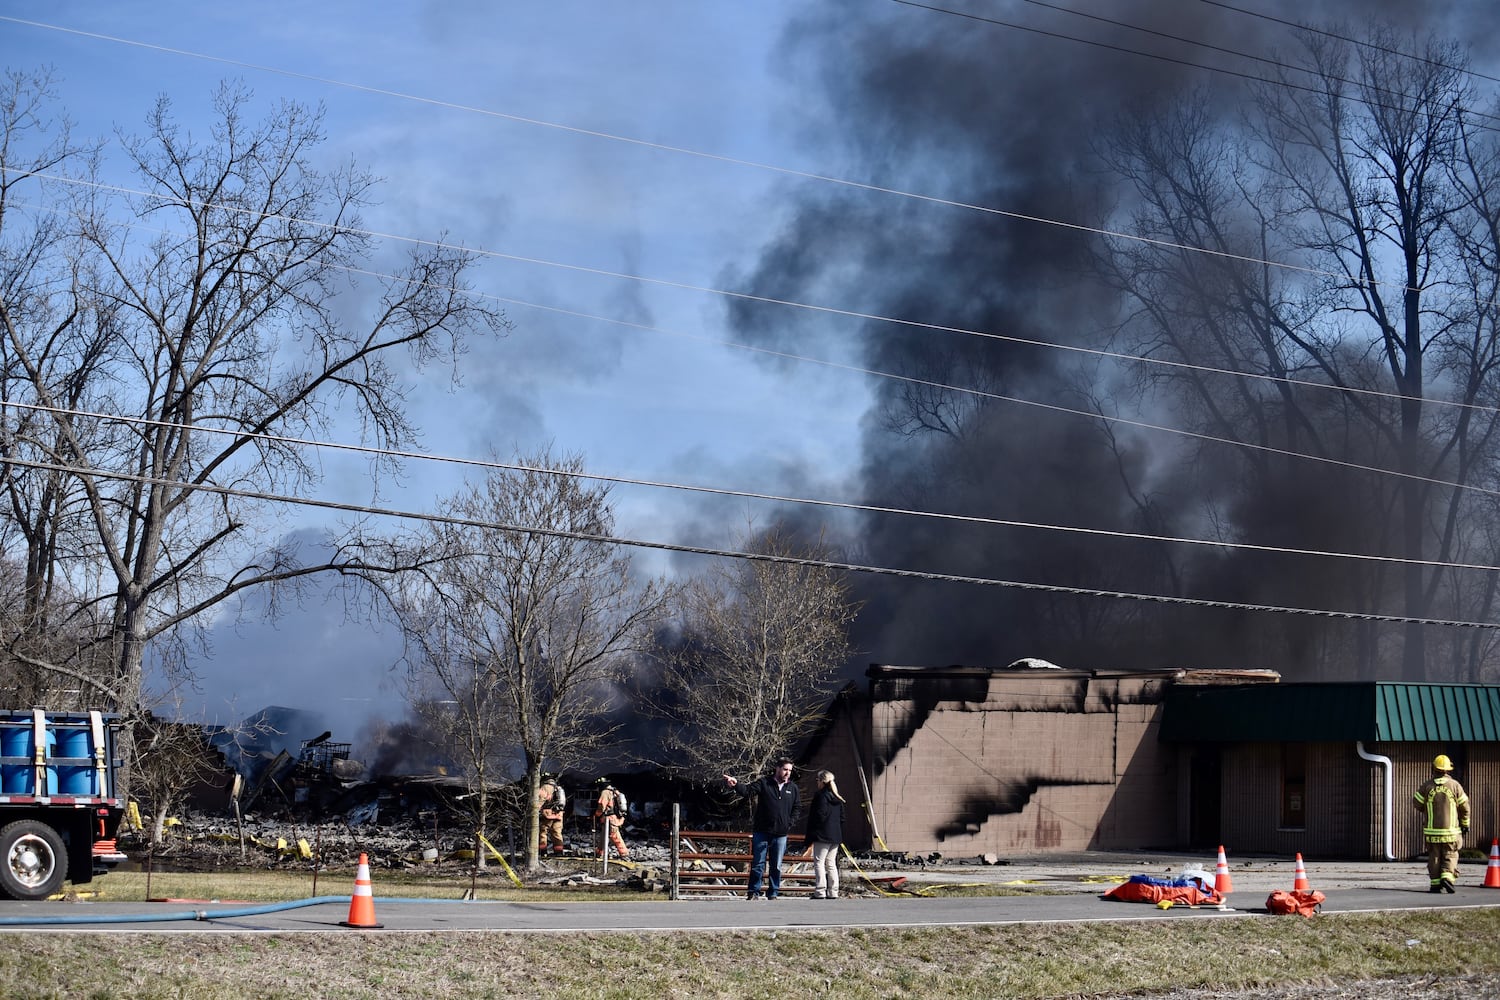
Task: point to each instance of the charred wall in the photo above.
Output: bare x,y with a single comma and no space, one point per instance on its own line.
1040,760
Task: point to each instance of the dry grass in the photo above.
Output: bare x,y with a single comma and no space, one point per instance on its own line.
275,886
1029,961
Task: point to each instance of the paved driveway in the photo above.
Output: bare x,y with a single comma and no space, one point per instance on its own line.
1052,889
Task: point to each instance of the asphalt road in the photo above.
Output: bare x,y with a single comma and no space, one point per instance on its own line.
698,914
1068,890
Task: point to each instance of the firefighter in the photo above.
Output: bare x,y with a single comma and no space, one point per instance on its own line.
550,803
609,812
1445,811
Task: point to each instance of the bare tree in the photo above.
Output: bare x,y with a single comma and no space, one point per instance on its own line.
1377,346
756,660
210,310
171,758
460,701
69,637
53,640
527,618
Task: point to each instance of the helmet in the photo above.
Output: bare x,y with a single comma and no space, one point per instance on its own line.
1442,763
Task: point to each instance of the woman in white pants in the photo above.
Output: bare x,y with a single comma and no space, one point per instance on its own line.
825,831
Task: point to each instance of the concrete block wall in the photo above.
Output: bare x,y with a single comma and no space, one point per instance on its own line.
1036,775
1057,818
1142,812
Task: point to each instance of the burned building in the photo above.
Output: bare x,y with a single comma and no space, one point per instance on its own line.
1033,758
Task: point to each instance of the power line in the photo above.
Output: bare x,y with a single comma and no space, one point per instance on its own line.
792,303
1188,63
1165,244
686,151
927,383
1353,41
1277,63
752,556
492,464
978,333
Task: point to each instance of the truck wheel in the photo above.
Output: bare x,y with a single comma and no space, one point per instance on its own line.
33,862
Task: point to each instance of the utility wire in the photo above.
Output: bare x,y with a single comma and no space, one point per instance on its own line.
771,300
926,383
828,564
837,311
686,151
1087,414
493,464
1266,60
1188,63
1353,41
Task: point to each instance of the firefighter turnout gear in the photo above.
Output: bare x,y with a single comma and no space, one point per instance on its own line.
1445,819
609,813
551,803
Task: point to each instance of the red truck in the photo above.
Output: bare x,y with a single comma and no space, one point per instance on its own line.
59,807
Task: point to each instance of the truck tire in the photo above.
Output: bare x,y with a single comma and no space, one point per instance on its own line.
33,862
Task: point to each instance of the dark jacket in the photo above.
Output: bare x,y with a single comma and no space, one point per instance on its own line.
825,819
775,810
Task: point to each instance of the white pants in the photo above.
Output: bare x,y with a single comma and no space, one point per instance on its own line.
826,864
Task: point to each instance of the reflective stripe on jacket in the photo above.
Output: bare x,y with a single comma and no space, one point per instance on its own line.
1445,806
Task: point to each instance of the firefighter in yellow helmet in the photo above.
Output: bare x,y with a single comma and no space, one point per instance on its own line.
1445,813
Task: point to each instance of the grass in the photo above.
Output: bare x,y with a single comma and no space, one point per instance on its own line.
1026,961
275,886
1035,961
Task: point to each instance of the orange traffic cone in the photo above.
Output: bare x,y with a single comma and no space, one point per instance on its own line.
362,903
1223,884
1492,873
1299,880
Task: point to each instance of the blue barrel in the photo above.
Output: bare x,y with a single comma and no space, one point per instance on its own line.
20,779
16,779
77,777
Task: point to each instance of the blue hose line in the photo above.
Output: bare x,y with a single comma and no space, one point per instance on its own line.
245,911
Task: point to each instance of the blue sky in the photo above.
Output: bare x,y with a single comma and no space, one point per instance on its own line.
667,403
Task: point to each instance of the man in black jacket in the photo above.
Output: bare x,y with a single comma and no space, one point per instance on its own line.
777,807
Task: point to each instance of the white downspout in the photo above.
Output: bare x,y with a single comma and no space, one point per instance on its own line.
1387,819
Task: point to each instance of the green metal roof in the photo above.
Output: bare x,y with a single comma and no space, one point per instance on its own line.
1340,712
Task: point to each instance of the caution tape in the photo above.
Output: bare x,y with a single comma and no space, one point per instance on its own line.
926,890
500,858
860,872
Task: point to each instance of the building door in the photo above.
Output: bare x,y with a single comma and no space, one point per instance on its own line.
1204,787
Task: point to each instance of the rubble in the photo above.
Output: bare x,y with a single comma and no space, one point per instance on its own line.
200,842
269,800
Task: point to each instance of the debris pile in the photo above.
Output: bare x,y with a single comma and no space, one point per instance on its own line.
399,823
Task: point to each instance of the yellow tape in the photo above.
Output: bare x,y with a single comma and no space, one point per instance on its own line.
501,858
855,865
926,890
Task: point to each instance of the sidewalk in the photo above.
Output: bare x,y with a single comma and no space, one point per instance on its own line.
1097,873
